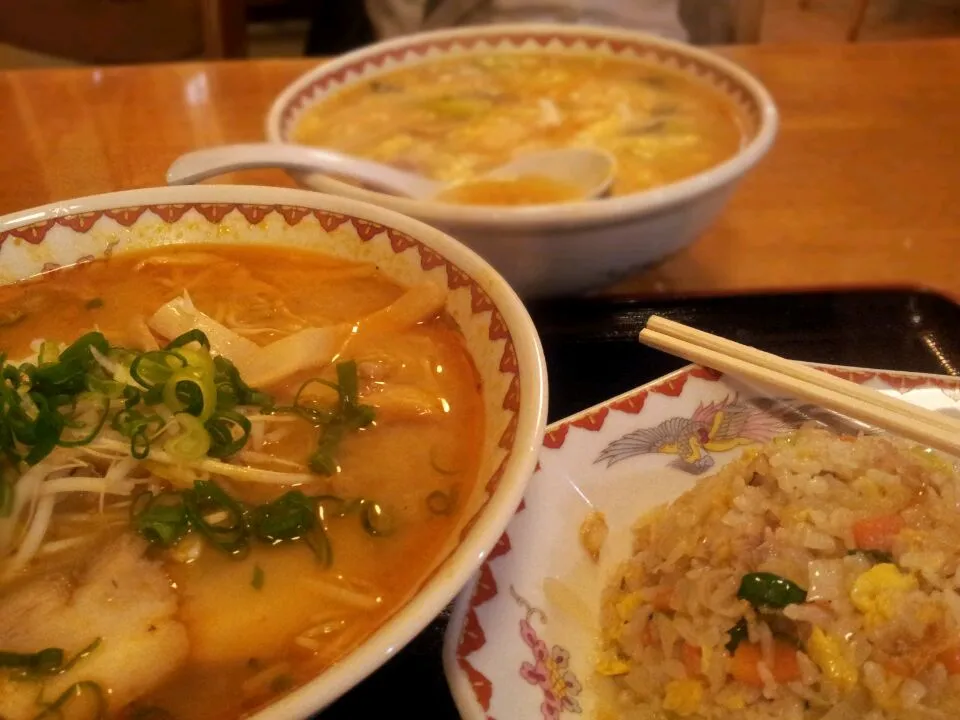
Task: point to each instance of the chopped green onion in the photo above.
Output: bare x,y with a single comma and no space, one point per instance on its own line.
81,655
7,495
199,359
312,381
204,504
67,398
347,383
192,391
131,396
289,517
155,367
127,421
135,425
232,390
161,519
79,350
43,433
45,661
318,541
229,525
323,460
257,580
140,444
153,396
106,386
769,591
223,427
93,303
738,633
31,666
192,442
316,416
349,415
86,696
57,378
86,433
190,336
10,373
49,352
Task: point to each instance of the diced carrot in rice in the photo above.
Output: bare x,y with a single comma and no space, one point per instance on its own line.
691,656
660,598
951,660
649,635
877,532
746,658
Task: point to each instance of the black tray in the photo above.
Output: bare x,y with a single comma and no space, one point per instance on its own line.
593,354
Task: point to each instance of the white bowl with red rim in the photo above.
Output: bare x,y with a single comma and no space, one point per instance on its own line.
523,638
563,248
498,332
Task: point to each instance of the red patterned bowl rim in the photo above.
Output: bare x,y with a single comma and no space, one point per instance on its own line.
747,92
466,636
126,208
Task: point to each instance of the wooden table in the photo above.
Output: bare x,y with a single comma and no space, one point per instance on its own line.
860,188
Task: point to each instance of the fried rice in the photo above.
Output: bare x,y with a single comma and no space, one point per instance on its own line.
815,578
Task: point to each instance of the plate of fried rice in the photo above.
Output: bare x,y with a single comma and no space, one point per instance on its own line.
698,548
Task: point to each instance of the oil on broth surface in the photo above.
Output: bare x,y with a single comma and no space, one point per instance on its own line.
260,625
521,190
452,119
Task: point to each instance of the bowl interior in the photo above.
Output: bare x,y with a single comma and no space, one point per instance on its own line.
754,107
498,333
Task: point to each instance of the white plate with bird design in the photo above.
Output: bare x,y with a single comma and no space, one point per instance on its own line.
522,639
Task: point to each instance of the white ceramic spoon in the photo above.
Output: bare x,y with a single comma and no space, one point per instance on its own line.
589,169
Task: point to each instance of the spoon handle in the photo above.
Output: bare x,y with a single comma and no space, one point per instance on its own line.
192,167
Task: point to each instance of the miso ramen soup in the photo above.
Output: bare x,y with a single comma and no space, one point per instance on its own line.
453,119
223,468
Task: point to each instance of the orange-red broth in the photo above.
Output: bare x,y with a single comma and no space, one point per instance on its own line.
243,640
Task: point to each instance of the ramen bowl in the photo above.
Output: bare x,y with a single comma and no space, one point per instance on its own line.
560,248
478,306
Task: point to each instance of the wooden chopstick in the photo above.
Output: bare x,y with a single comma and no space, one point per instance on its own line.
842,396
796,370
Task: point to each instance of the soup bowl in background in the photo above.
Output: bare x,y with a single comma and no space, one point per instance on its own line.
566,248
497,331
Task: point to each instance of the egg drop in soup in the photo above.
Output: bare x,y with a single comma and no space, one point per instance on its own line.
223,468
454,119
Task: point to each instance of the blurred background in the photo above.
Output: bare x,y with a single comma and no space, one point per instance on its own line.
36,33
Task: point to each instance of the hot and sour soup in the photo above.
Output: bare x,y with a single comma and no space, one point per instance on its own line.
452,119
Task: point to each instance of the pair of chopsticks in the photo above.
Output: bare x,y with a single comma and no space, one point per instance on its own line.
801,381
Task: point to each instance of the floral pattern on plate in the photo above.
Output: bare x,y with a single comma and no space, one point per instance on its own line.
622,457
550,670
